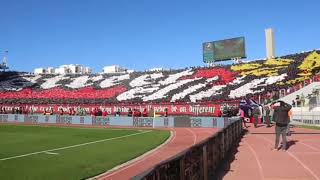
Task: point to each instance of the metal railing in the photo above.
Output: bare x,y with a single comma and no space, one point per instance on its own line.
199,161
306,119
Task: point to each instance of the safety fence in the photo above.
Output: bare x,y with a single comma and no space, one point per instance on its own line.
309,119
201,160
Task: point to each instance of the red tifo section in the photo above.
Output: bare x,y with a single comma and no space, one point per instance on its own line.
256,161
183,138
60,93
224,76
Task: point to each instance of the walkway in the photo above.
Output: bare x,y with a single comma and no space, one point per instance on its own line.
256,161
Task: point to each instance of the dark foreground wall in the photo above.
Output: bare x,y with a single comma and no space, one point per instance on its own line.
200,161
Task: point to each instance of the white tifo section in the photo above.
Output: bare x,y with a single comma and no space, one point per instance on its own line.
73,146
305,91
114,80
249,87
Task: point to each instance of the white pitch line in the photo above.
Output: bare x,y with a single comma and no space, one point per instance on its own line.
73,146
256,158
51,153
194,136
298,160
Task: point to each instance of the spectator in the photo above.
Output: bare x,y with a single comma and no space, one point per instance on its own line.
20,111
281,117
61,111
70,112
302,100
129,112
266,114
256,114
145,112
151,112
298,102
99,112
51,110
166,112
117,112
104,113
241,114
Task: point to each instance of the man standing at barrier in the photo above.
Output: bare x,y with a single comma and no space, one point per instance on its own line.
282,120
242,116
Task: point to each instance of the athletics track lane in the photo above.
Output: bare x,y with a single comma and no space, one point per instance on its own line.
256,161
182,139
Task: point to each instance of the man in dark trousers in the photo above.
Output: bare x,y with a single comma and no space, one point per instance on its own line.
266,113
256,114
282,120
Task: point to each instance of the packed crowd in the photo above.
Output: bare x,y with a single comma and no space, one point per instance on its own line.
80,111
197,84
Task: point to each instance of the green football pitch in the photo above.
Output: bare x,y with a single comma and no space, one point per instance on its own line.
36,152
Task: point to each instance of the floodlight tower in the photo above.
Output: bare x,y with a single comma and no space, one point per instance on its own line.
5,58
4,64
270,43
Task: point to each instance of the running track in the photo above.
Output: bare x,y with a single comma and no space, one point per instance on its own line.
256,161
182,139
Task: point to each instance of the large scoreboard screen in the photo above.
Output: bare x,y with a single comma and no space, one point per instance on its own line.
224,49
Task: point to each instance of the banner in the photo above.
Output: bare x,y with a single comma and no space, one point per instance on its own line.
204,109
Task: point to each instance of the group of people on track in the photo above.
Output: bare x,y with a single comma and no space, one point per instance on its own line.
279,112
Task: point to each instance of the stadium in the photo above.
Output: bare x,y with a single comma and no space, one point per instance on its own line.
203,122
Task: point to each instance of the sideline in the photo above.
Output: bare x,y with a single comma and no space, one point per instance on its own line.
73,146
136,160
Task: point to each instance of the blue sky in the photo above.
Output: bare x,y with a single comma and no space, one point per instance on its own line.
141,34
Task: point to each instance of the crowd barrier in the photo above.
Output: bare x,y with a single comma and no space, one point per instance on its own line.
159,122
200,161
306,119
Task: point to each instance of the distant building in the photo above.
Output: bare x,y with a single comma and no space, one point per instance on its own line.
130,71
114,69
87,70
64,69
40,71
50,70
156,69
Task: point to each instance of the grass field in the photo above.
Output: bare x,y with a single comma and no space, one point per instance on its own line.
34,152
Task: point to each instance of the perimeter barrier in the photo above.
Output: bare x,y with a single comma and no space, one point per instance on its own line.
109,121
199,161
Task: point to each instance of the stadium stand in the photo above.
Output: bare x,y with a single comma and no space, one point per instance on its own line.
231,83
